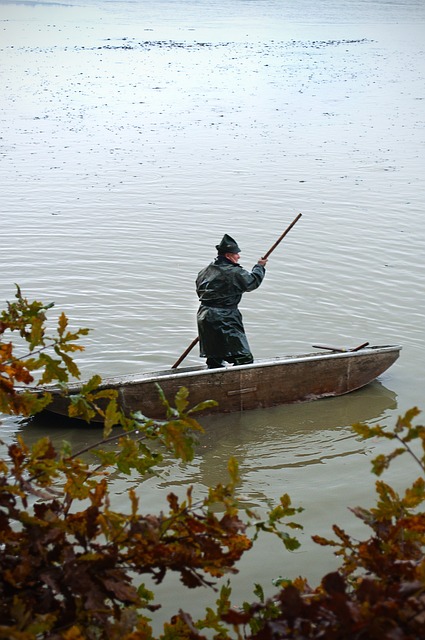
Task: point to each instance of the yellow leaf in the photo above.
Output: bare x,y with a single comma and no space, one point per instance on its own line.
62,323
73,633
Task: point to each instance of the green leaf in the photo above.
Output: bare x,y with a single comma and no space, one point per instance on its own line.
415,494
181,399
91,385
233,469
259,592
406,420
201,406
53,370
69,363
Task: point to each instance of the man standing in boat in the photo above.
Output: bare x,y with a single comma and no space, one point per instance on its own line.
220,287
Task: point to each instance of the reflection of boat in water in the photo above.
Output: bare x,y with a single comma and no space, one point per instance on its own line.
77,433
364,405
272,444
265,383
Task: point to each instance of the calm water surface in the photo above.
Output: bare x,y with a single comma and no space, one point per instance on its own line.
134,134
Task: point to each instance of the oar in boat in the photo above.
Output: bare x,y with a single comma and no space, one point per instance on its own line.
341,349
266,255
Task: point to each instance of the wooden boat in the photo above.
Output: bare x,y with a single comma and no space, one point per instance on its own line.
265,383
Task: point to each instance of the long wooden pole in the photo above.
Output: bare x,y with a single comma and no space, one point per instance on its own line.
266,255
272,248
185,353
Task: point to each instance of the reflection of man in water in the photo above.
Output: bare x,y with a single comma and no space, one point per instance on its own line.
220,287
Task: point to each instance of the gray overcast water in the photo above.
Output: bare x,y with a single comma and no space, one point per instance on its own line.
134,134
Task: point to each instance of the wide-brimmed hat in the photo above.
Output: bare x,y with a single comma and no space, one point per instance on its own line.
227,245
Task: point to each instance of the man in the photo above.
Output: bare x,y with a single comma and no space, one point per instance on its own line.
220,287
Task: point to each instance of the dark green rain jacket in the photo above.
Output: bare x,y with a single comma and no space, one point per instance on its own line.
220,287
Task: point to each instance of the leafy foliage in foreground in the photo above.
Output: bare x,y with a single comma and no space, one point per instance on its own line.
62,563
379,591
28,320
71,568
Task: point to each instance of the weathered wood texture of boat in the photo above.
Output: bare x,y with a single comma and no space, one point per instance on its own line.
265,383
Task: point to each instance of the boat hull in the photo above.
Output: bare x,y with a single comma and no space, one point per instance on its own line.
262,384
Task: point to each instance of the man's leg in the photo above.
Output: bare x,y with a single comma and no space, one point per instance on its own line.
215,363
244,359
